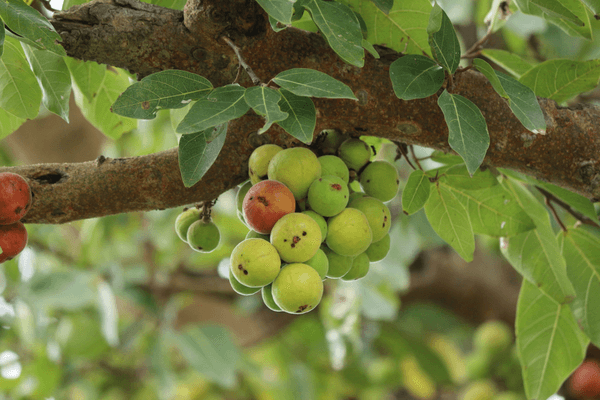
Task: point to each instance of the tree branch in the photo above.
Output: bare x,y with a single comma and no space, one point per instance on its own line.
144,38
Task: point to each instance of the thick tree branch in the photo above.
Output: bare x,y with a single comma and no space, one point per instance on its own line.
144,39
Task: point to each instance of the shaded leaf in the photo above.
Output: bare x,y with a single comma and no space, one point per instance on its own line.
384,5
576,201
281,10
87,76
197,154
556,9
302,117
443,40
511,62
416,192
310,83
458,176
415,77
2,34
263,101
162,90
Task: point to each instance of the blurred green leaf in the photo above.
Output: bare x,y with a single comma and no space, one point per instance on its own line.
512,63
8,123
311,83
69,290
556,9
415,77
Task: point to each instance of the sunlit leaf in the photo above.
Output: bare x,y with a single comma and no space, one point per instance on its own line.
311,83
511,62
458,176
416,192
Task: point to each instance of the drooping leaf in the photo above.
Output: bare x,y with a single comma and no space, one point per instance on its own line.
535,254
263,101
53,77
573,27
302,117
458,176
450,220
561,80
416,192
384,5
415,77
512,63
580,248
549,342
281,10
197,154
224,104
467,130
87,76
162,90
28,22
210,350
20,93
311,83
443,40
341,29
556,9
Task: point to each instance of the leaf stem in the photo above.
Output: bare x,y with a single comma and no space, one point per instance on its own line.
580,217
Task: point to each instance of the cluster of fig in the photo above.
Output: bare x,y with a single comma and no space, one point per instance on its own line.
15,201
195,227
306,223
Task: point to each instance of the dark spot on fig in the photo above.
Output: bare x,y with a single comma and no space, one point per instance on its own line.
293,245
397,181
368,180
240,266
285,240
304,233
296,239
263,201
252,171
336,186
245,272
302,308
18,210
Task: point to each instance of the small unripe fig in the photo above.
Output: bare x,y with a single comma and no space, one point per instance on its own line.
478,365
328,195
13,239
255,262
296,237
203,236
332,140
15,198
320,263
378,250
585,381
338,265
297,289
355,153
360,268
265,203
349,233
267,296
297,168
184,220
258,164
479,390
332,165
493,337
377,213
239,288
380,179
319,220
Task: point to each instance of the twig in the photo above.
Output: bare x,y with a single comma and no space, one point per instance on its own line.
579,216
472,52
412,152
238,53
556,217
401,149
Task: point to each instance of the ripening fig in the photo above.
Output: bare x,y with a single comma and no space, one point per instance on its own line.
258,164
255,235
493,337
355,153
338,265
378,215
265,203
297,168
267,296
319,220
379,249
297,289
360,268
328,195
332,165
332,140
319,262
255,262
585,381
15,198
203,236
239,288
13,239
184,220
380,179
349,233
296,237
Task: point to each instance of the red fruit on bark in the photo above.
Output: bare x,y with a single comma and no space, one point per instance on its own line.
13,239
265,203
15,198
585,381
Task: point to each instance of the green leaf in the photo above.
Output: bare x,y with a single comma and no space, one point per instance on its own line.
467,130
97,108
196,154
263,101
556,9
384,5
560,80
312,83
415,77
302,117
594,6
449,219
446,158
281,10
535,254
48,290
2,34
210,350
549,342
402,29
53,77
224,104
416,192
341,29
162,90
87,76
577,201
521,99
20,93
458,176
511,62
493,211
8,123
28,22
580,248
443,40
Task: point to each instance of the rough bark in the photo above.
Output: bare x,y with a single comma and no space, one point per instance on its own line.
144,39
